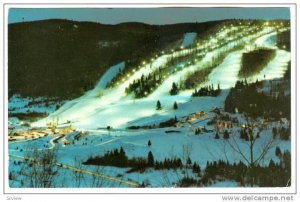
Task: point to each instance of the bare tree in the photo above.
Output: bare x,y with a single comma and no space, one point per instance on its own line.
167,181
77,173
186,154
39,168
247,153
97,181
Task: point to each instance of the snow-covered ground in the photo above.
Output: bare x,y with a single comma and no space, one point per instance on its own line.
226,74
102,107
202,148
18,104
276,67
89,104
109,75
188,39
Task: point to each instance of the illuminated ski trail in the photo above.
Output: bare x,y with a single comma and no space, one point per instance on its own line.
114,109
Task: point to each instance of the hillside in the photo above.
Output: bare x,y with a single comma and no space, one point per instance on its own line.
63,59
253,62
180,116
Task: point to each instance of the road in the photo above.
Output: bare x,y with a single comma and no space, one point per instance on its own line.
109,141
106,177
52,142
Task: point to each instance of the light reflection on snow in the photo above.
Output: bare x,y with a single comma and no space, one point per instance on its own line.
115,109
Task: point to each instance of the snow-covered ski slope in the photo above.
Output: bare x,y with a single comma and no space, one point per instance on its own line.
111,107
275,68
188,39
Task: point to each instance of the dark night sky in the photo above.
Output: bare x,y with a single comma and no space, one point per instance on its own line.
146,15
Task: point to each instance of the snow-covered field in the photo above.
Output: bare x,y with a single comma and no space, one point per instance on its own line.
203,148
18,104
102,107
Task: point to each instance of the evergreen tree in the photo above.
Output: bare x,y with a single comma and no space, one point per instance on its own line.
217,135
197,131
122,158
274,132
196,168
246,83
57,107
10,176
158,105
226,135
175,106
272,164
189,161
174,90
150,159
278,152
149,143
